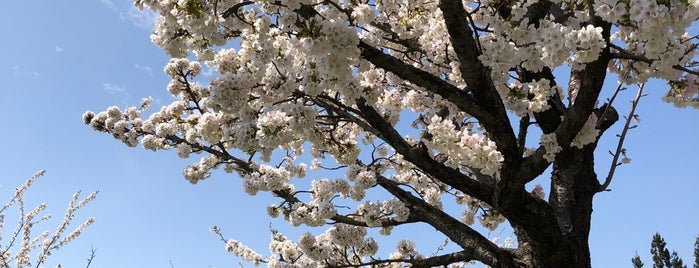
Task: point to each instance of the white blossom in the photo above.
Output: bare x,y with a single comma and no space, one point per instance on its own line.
551,146
588,134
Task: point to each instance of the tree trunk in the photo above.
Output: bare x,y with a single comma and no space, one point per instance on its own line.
573,185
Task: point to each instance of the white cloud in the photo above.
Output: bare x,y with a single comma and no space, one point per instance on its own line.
144,19
119,93
147,69
113,88
109,4
17,71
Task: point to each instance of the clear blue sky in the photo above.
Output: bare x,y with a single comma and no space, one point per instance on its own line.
61,58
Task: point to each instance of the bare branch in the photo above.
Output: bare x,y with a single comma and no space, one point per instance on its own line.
93,254
622,137
608,107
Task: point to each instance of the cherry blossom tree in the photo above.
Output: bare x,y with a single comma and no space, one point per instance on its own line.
479,80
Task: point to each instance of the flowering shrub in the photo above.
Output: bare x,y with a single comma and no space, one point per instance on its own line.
16,250
334,80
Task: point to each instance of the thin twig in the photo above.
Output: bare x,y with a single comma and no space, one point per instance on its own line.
620,145
609,105
93,254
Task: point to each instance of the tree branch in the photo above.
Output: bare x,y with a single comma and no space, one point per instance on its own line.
93,254
624,54
466,48
234,9
222,154
509,196
588,84
620,145
549,119
479,82
608,108
474,244
519,205
421,78
419,156
523,129
435,261
289,197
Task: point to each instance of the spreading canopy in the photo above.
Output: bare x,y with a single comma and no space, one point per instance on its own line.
332,81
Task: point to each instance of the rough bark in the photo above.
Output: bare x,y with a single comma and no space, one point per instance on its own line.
573,185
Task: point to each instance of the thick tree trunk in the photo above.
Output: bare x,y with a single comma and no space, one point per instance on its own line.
573,185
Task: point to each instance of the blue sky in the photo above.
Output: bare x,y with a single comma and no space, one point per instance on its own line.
61,58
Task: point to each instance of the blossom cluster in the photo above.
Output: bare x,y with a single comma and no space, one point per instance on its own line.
684,93
463,147
525,98
266,178
550,45
550,144
339,243
246,253
588,134
374,213
507,243
406,249
655,30
486,215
